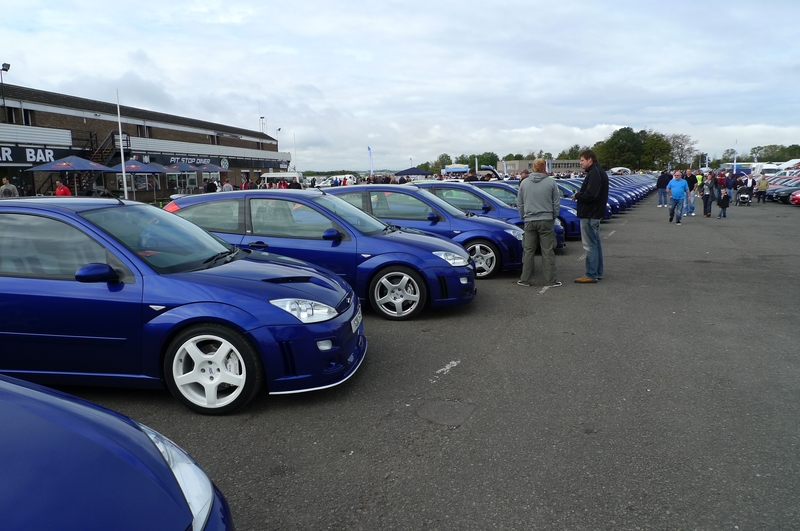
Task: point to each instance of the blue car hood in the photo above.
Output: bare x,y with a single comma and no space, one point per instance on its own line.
419,240
260,276
69,464
481,222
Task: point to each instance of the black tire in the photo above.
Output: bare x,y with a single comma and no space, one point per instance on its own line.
397,293
195,353
486,257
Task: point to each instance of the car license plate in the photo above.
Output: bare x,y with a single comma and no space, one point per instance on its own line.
356,320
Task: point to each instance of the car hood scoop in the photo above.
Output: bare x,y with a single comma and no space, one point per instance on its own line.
298,279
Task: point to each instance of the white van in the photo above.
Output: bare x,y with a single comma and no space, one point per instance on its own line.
273,178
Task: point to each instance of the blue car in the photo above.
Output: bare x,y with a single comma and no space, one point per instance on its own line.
70,464
110,292
478,201
567,213
399,272
494,245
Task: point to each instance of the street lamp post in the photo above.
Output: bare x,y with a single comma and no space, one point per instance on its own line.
278,130
5,68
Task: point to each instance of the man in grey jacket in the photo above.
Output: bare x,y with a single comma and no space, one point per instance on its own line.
538,202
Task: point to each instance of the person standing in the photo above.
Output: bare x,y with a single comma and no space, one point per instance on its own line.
661,186
762,187
709,184
538,202
8,189
294,185
677,189
227,186
471,177
591,199
62,190
723,204
691,182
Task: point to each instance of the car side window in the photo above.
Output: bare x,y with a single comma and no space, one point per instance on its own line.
217,216
39,247
354,198
287,219
397,205
460,198
506,196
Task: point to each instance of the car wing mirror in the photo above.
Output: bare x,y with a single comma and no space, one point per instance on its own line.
486,207
95,272
433,216
332,235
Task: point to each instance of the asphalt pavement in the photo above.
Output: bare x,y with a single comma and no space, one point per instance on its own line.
665,396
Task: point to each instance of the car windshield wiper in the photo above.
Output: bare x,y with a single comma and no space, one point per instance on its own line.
229,254
390,228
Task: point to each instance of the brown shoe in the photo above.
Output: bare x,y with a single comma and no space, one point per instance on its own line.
585,280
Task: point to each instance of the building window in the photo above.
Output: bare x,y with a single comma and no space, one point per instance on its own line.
27,117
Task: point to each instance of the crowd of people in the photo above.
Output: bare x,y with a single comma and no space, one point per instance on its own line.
679,189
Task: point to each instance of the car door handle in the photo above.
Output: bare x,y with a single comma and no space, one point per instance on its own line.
258,245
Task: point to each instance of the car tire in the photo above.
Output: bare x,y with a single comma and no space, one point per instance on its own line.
397,293
212,369
486,257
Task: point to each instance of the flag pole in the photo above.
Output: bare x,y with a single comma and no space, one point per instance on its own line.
121,149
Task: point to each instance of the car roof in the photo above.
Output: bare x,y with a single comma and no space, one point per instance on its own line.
289,192
73,203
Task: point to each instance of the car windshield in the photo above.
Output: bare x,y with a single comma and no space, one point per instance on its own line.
168,243
442,204
361,221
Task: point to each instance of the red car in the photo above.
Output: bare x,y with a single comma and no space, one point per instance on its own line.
795,198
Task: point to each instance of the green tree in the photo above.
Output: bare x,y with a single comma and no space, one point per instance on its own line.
682,148
464,159
623,148
488,159
571,153
656,150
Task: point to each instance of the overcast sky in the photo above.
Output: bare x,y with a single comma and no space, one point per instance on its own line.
414,79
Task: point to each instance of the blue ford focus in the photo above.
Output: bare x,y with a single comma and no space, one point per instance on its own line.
108,292
497,202
493,245
70,464
397,271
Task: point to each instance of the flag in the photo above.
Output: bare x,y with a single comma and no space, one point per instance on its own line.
369,149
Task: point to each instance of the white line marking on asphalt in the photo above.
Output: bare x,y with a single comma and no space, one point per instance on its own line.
444,370
541,291
581,258
611,233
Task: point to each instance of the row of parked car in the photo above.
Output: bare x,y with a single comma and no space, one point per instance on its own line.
782,189
215,297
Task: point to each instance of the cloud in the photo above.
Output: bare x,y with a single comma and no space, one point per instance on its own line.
425,78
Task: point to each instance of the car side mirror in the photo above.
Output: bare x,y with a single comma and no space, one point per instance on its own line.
331,235
95,272
433,216
486,208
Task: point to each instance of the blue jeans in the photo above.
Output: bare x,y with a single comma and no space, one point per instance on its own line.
688,207
662,196
722,213
590,238
676,208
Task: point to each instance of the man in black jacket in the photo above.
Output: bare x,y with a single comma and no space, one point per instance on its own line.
661,185
592,199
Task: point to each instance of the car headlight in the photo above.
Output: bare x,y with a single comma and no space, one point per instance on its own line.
306,311
515,233
453,259
197,488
